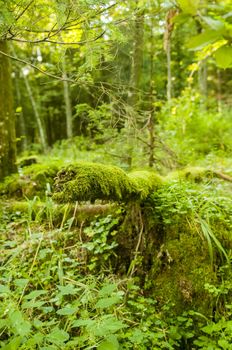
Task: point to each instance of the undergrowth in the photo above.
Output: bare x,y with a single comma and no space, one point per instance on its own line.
60,288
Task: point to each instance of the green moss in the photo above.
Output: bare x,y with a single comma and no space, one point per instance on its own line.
194,174
91,181
32,182
181,267
145,182
26,161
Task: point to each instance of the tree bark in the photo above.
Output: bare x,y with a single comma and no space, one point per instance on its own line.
22,124
151,121
137,58
167,47
67,100
7,118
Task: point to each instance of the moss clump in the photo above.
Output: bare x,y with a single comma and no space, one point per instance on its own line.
32,182
91,181
26,161
194,174
144,183
180,270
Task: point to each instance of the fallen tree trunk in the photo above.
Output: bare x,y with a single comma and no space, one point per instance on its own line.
93,181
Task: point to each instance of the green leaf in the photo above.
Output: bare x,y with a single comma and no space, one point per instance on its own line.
67,311
32,304
83,323
13,344
35,294
107,290
207,37
58,336
107,325
21,282
4,289
107,302
18,109
67,290
223,57
189,6
213,23
20,325
224,344
111,343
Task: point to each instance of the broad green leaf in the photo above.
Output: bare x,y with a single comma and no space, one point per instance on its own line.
189,6
223,56
36,339
33,304
21,282
20,325
203,39
213,23
4,289
107,290
58,336
108,326
35,294
107,302
67,311
13,344
111,343
83,323
67,290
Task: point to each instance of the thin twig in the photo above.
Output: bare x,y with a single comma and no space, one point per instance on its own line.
37,68
46,40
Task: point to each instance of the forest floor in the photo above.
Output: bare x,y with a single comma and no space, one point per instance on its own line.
154,274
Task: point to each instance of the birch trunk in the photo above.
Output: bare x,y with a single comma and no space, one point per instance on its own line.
41,129
67,100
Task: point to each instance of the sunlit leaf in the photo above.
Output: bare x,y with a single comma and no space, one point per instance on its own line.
223,56
207,37
189,6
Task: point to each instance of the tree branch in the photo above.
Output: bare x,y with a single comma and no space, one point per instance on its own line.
37,68
46,40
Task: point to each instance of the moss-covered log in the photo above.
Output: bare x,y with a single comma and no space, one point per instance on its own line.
91,181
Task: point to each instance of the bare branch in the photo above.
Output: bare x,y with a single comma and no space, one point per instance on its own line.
24,10
46,40
37,68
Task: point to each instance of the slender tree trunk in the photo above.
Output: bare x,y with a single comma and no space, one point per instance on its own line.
7,118
41,129
169,71
67,100
137,59
167,47
22,124
219,91
151,121
202,82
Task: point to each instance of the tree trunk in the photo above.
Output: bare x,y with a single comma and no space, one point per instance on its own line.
41,129
151,121
137,59
7,118
22,124
169,26
202,82
67,100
